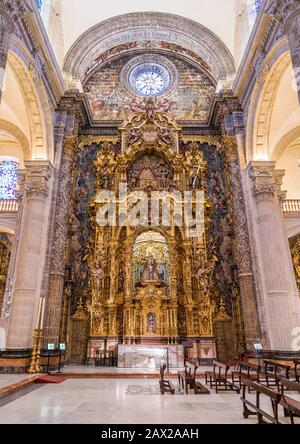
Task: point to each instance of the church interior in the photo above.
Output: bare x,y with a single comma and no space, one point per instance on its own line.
150,211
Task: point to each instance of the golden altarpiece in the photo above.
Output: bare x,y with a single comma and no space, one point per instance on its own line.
150,284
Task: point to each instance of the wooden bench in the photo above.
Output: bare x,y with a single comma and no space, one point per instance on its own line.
297,369
290,406
260,389
218,378
165,386
280,369
251,371
187,378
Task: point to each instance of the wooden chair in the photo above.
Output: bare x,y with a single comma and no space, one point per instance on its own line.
187,378
165,386
279,369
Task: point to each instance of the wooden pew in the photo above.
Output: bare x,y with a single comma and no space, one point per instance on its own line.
251,372
256,409
187,378
281,369
290,406
165,385
218,378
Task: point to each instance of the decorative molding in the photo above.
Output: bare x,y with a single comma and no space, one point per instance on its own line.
85,141
149,26
36,117
210,140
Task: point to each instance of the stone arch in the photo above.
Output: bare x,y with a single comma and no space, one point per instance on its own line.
284,142
263,97
35,98
18,135
152,27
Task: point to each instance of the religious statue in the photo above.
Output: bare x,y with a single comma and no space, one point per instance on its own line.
98,276
105,179
151,272
147,177
151,324
150,107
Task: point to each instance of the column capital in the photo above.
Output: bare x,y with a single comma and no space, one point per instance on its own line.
33,180
266,180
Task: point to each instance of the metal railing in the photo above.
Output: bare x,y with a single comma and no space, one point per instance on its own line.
291,206
8,206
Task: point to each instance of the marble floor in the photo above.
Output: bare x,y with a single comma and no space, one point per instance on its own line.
6,380
106,401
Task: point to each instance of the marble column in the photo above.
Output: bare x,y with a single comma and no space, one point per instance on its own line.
35,187
6,29
51,327
280,296
289,11
242,240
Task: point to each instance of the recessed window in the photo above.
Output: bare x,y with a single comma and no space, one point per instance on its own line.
39,4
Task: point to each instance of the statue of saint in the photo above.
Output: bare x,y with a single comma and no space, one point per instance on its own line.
151,272
147,177
98,276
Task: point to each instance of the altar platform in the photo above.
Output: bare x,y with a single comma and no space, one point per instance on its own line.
92,372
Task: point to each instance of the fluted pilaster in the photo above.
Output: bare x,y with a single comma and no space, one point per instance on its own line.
30,254
280,295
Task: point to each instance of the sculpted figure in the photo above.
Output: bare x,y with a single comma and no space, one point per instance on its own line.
151,272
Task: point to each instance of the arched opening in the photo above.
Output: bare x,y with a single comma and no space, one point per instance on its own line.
268,121
24,109
150,259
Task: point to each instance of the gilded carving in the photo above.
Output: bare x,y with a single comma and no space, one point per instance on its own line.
153,288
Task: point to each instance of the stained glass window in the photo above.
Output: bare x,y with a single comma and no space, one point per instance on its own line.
39,4
149,79
258,4
8,179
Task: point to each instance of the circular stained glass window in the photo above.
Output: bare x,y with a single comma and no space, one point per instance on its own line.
149,79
